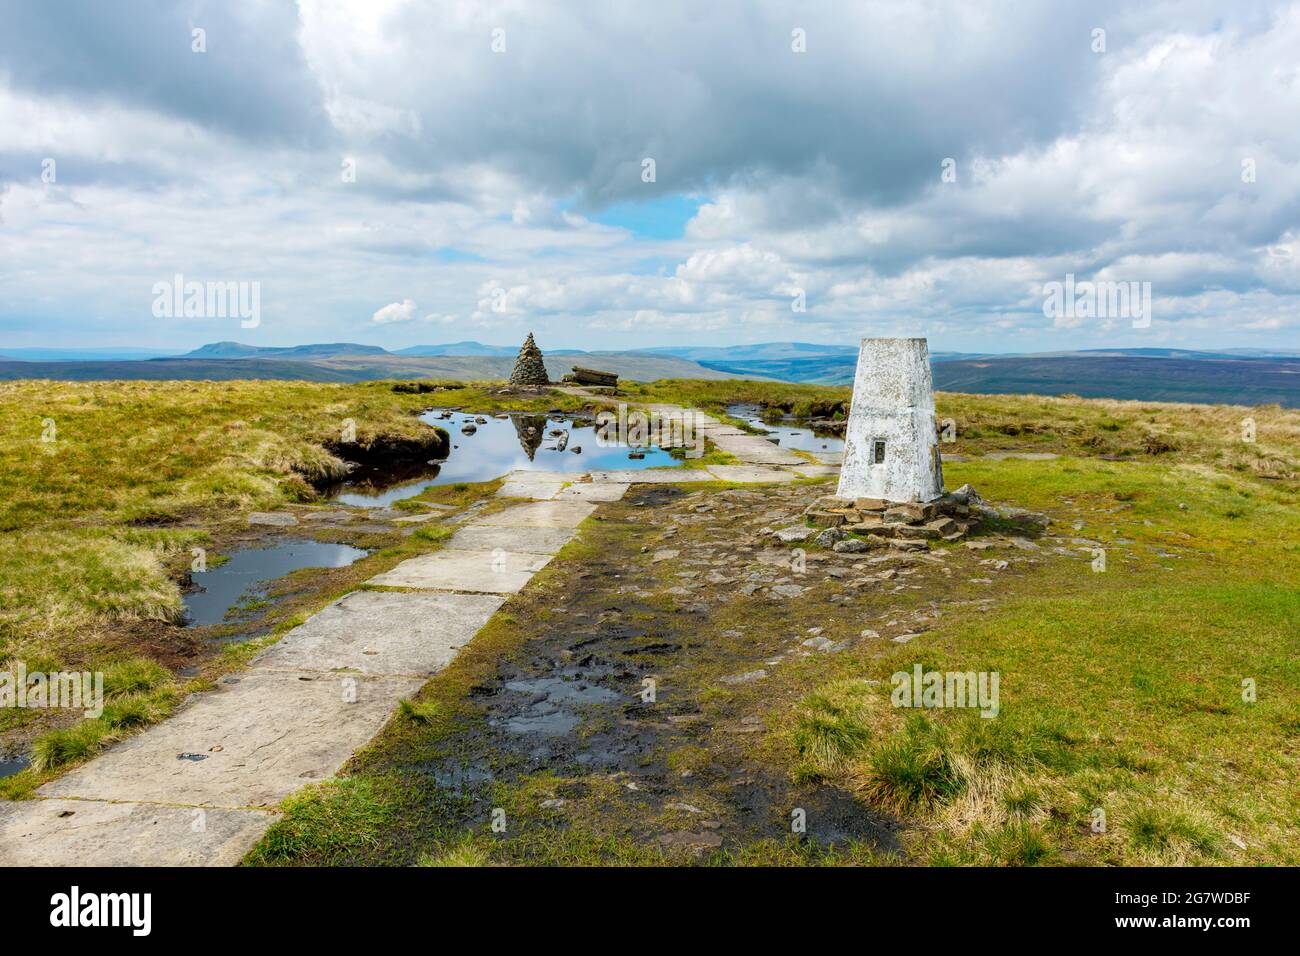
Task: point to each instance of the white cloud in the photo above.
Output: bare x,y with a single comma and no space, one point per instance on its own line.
478,171
403,311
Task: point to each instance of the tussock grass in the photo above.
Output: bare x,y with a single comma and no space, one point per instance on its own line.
1171,832
68,745
422,712
914,770
432,533
133,711
833,727
327,823
1015,843
133,676
137,692
466,852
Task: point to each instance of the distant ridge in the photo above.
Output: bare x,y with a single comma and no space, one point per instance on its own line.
1230,376
237,350
458,348
763,351
115,354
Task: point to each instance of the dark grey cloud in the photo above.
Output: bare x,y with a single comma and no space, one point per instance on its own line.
252,82
882,95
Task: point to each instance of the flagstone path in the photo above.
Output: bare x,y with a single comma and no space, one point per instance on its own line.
200,788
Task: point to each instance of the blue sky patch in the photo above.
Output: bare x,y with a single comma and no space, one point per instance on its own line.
662,218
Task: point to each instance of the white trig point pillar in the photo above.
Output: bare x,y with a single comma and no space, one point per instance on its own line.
891,449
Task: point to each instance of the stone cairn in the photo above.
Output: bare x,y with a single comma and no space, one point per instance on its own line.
861,524
529,368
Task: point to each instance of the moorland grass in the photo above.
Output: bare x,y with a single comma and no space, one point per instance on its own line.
106,486
1121,691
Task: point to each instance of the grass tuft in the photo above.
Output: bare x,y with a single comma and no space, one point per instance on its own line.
914,770
134,676
464,853
831,729
1172,835
67,745
423,712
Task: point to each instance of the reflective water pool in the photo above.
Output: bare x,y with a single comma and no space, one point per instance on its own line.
10,764
787,433
244,576
489,446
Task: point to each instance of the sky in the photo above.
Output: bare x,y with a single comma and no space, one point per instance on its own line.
629,175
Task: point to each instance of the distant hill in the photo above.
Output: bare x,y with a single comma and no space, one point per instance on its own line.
822,370
83,355
459,348
1239,376
353,368
765,351
212,370
236,350
1232,381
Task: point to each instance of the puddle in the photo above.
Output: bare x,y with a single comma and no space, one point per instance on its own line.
495,446
11,764
547,714
787,432
460,779
247,571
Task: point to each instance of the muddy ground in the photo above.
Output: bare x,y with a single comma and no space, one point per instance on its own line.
622,707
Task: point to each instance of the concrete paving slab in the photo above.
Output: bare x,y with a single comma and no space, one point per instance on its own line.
829,457
483,572
650,476
751,473
93,833
540,514
376,632
593,491
250,743
527,474
757,451
528,488
815,471
477,537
